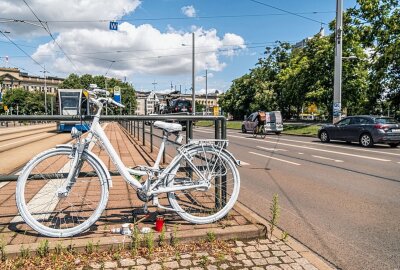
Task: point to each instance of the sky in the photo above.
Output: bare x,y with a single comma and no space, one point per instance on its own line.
152,48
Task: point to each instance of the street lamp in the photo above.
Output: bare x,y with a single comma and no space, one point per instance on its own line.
206,76
337,83
45,89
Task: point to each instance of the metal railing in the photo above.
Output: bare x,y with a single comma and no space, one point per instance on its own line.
135,125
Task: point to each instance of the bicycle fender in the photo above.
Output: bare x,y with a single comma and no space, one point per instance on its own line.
229,154
107,173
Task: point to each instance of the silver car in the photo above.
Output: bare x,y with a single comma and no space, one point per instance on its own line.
365,129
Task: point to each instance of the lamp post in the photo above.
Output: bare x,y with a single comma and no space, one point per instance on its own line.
45,89
193,72
337,83
206,92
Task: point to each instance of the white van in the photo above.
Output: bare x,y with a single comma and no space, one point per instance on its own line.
273,122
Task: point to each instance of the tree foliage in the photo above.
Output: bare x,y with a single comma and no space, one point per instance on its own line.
289,79
25,102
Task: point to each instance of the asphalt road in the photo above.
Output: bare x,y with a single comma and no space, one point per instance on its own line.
340,200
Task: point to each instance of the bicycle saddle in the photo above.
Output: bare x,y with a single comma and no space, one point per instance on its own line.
169,127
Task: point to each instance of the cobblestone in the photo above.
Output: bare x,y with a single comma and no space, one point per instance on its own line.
254,255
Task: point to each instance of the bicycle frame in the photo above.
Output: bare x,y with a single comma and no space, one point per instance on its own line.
167,174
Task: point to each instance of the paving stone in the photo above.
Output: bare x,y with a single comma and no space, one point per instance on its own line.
126,262
287,259
272,267
141,261
186,256
212,259
286,267
261,261
212,267
185,263
154,266
254,255
309,267
249,249
252,243
262,247
237,250
201,254
274,247
239,244
302,261
266,254
278,253
273,260
228,258
285,248
236,264
241,257
296,266
95,265
196,268
171,265
257,268
224,266
293,254
247,263
110,265
195,262
264,241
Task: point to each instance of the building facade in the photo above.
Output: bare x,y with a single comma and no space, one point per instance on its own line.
11,78
147,103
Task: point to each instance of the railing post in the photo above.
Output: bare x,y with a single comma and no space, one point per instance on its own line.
190,130
217,179
187,131
143,133
138,129
151,137
223,187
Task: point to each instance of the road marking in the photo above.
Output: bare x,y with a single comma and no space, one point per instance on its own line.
244,163
336,160
337,146
272,149
316,149
2,184
30,138
301,153
203,131
294,163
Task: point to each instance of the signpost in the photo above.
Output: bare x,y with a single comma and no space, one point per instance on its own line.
114,26
117,94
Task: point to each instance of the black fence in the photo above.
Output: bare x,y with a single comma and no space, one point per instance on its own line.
140,127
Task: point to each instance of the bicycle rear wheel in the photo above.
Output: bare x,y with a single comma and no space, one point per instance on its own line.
50,211
263,133
213,203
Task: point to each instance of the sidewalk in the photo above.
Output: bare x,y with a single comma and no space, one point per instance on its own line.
123,206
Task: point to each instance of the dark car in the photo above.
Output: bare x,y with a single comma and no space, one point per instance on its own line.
365,129
179,106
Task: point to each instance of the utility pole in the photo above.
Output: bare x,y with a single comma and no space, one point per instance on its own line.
337,83
193,78
206,94
45,89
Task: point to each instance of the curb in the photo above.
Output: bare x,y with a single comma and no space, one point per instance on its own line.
311,256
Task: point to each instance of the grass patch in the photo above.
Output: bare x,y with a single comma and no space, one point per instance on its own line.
309,130
229,124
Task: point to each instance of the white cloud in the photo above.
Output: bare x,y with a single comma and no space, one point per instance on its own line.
202,78
139,49
189,11
61,10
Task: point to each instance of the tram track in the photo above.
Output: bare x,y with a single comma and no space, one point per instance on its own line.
22,134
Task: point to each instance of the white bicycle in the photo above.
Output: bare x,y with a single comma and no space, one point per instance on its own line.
63,191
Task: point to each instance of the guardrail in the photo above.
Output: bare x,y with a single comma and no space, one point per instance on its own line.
134,124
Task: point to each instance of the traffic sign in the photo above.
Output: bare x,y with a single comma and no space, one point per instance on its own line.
312,108
5,107
117,94
114,26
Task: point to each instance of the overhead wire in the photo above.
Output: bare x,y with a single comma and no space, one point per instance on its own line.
52,37
288,12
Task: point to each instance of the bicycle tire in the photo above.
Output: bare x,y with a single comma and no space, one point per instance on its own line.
255,132
263,133
46,211
206,206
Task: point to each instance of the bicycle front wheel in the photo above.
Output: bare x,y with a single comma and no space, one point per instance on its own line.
263,133
206,205
53,207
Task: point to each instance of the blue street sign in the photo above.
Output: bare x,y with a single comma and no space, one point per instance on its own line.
117,94
113,25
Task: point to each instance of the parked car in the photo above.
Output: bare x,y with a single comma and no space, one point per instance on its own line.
273,122
365,129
